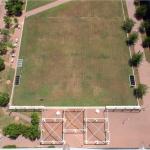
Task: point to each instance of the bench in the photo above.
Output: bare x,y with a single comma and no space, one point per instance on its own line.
132,81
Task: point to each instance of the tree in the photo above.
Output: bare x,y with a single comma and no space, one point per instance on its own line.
132,38
146,42
141,11
136,2
140,91
127,25
8,21
4,99
2,65
136,59
18,9
146,25
14,7
34,119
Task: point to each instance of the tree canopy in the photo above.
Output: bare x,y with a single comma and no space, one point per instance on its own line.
146,41
136,59
141,11
7,21
140,91
14,7
127,25
132,38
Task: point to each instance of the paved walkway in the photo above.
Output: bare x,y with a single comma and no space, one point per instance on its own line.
17,35
144,68
20,142
2,13
45,7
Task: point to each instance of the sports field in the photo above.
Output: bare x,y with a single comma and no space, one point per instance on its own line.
75,55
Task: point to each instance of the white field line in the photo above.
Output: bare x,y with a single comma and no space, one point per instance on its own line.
12,91
52,142
63,134
65,108
73,129
95,142
53,119
85,129
90,119
107,125
41,135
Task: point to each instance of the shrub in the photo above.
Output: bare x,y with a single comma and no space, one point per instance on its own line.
9,146
51,146
6,34
136,59
132,38
140,91
127,25
13,130
16,22
142,28
34,119
4,31
33,132
3,48
146,42
2,65
7,21
141,11
24,130
4,99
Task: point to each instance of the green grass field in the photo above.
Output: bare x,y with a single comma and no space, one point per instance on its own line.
32,4
75,55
